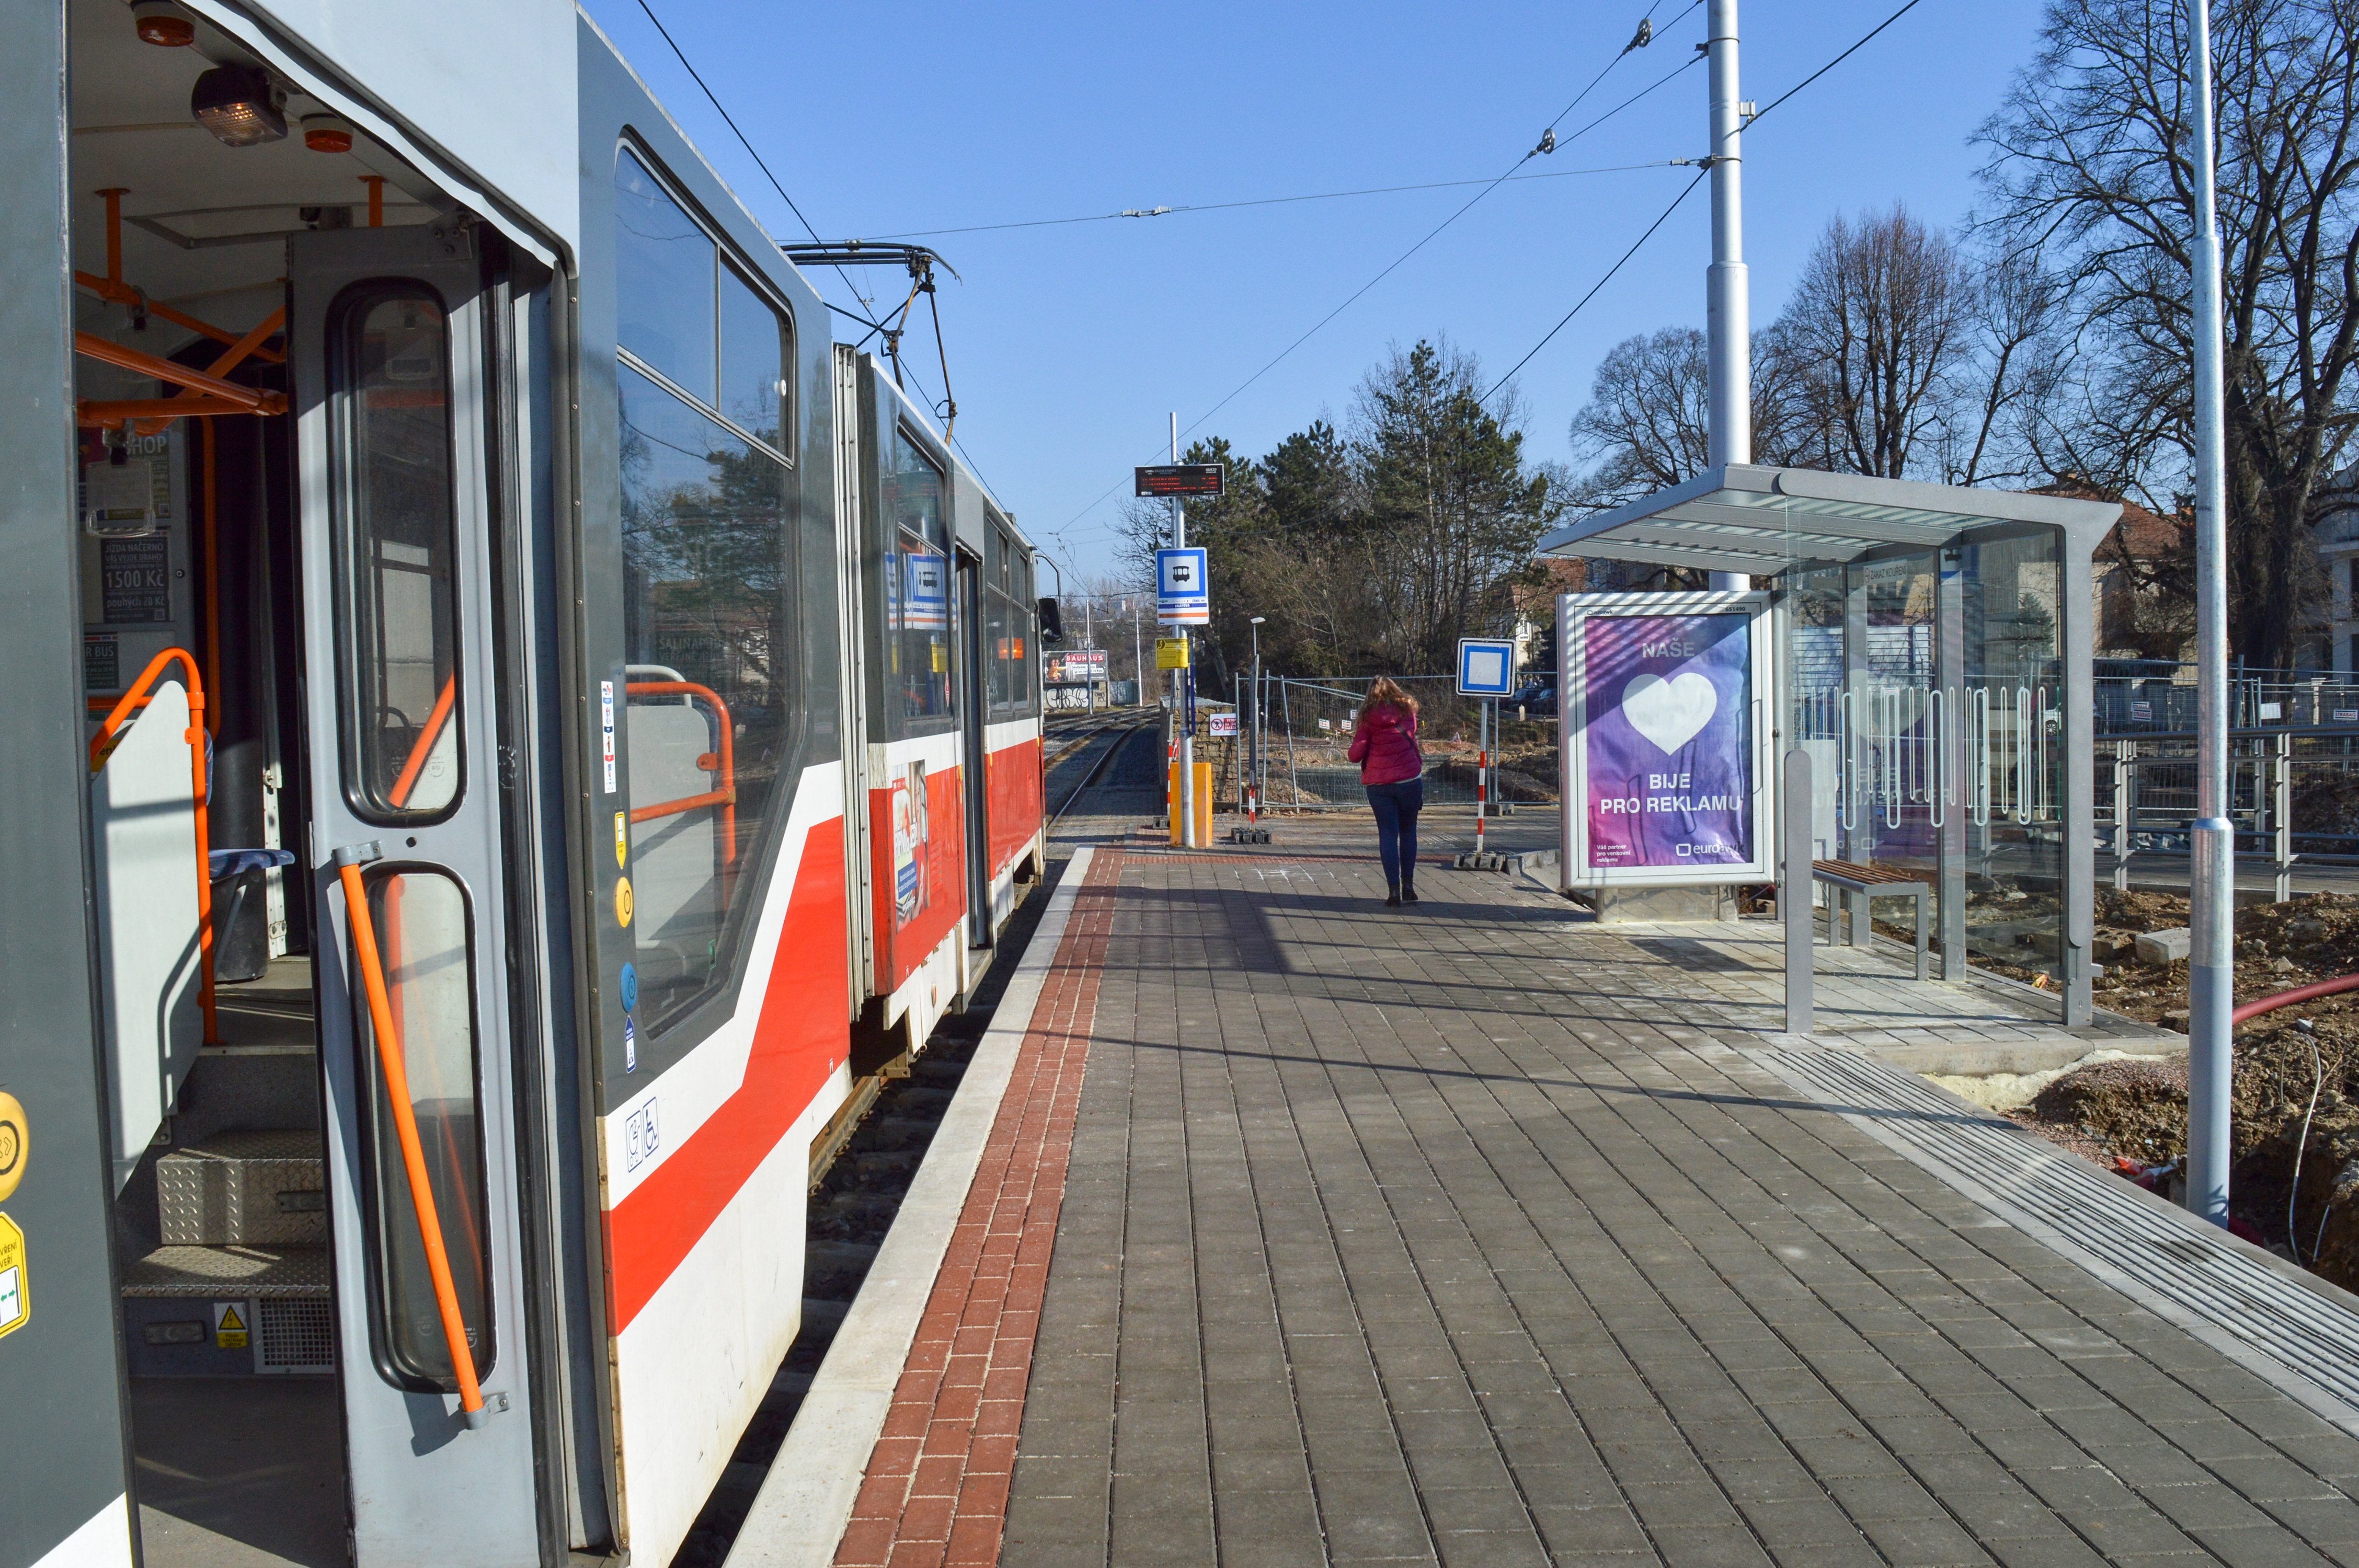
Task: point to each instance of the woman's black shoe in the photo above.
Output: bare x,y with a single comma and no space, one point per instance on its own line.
1409,893
1392,896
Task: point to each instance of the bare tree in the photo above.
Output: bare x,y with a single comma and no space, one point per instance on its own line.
1878,328
1647,424
2089,167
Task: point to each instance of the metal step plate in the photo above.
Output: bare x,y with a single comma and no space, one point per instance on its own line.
254,1188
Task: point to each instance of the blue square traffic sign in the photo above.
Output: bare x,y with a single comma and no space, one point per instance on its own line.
1183,593
1486,666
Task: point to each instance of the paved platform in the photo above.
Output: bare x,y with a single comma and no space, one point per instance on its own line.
1477,1233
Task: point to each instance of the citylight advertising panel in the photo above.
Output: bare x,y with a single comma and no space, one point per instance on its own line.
1663,739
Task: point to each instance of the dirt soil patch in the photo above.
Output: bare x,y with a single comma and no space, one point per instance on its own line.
2132,1116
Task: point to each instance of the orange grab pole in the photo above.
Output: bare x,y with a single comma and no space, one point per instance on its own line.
726,797
100,747
425,743
405,1124
106,351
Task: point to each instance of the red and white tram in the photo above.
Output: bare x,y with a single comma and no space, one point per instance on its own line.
543,723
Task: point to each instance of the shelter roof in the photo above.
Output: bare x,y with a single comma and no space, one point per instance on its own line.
1762,521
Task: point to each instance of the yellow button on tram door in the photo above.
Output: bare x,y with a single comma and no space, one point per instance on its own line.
16,1143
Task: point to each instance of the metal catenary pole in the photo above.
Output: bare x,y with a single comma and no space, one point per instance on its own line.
2212,991
1727,305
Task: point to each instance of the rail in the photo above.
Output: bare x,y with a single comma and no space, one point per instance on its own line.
102,747
349,861
725,763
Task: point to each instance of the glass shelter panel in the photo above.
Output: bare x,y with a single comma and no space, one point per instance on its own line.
2011,751
1895,710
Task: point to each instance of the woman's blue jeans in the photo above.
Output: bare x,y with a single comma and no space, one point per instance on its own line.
1397,805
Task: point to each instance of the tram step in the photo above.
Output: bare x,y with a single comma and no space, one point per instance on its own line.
250,1188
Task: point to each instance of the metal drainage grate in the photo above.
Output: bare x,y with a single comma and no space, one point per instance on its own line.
2295,1334
297,1335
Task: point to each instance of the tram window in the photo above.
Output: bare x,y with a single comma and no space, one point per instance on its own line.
753,362
664,275
918,588
706,579
421,923
996,632
401,718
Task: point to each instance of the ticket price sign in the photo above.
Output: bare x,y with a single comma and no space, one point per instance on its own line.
1183,589
1663,739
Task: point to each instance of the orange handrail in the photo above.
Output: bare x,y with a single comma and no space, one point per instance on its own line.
725,796
405,1127
102,747
425,743
112,288
140,362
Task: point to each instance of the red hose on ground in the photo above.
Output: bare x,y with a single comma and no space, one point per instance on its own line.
2300,993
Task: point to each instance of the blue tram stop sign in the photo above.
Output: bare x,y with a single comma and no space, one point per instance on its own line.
1486,666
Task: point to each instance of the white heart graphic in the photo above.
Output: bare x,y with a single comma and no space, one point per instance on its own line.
1670,713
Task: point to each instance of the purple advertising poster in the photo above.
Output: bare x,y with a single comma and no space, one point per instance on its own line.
1668,739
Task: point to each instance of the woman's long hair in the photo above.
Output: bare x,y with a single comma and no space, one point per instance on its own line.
1390,692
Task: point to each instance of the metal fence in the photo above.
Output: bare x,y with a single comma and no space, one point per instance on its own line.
2293,796
1307,734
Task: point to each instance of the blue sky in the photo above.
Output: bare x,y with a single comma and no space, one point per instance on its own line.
1069,343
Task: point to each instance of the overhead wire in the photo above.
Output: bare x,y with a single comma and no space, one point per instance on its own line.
1177,211
1859,44
1855,49
680,55
1548,145
1685,193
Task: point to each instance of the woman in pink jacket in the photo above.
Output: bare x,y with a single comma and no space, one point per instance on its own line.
1391,768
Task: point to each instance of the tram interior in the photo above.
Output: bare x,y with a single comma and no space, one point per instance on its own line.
190,542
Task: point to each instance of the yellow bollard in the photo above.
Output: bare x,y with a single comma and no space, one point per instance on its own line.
1203,801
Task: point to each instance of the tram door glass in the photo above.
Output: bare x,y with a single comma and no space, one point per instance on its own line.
402,719
1894,707
918,585
2012,757
421,923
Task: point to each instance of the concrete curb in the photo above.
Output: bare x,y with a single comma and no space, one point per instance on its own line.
798,1516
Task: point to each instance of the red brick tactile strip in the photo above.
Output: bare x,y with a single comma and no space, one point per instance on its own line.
936,1486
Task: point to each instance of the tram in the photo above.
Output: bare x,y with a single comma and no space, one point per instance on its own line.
544,724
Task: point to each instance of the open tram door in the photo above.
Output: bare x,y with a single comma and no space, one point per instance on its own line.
394,397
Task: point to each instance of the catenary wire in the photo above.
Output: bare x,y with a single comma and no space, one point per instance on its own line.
1391,266
1259,201
1657,224
680,55
1855,49
1685,193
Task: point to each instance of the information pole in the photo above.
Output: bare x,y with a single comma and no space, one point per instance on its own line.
1182,601
1487,672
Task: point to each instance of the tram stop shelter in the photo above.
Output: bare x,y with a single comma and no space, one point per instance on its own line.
1931,652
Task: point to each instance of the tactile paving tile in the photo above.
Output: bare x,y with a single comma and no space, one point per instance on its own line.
2187,1270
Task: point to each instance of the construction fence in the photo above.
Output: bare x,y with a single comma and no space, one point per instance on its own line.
1306,733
